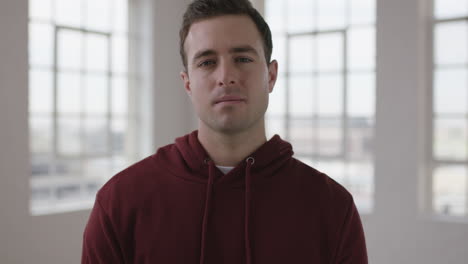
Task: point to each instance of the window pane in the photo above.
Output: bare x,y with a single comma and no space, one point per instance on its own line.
450,8
68,12
40,134
450,137
120,54
40,165
301,95
118,164
97,168
70,191
362,12
98,15
450,190
119,96
361,95
301,54
360,139
279,51
451,42
40,9
119,134
331,14
275,125
96,141
330,52
43,193
361,48
275,15
450,91
40,91
330,136
97,58
361,183
68,167
330,95
120,15
277,100
96,96
69,49
301,135
300,18
41,44
69,93
69,138
91,186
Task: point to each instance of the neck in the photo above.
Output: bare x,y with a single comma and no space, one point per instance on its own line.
230,149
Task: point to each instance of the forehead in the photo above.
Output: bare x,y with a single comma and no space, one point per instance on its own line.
222,33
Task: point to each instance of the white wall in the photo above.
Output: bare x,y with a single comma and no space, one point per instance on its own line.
173,109
14,156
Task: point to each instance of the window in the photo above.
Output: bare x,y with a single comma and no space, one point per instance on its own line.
450,109
80,108
324,99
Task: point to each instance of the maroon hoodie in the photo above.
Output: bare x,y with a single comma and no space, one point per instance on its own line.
177,207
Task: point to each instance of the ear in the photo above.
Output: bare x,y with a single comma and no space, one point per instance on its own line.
272,74
185,78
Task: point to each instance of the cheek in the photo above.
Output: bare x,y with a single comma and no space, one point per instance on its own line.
200,95
259,80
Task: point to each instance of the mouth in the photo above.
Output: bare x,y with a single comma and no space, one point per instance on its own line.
230,99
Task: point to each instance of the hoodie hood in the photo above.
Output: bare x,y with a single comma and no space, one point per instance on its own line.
189,160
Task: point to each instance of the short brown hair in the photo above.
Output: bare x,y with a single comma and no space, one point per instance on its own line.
203,9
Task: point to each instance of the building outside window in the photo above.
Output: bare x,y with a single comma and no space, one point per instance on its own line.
81,90
324,99
450,109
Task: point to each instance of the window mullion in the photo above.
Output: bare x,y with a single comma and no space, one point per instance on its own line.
109,100
287,115
55,102
345,120
83,117
315,117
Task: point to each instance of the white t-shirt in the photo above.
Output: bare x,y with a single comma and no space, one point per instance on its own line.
225,169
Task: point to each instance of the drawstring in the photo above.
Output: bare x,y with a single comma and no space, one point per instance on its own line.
248,197
207,208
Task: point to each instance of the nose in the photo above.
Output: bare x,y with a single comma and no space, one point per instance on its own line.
227,74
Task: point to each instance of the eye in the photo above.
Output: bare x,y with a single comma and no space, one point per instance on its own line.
243,60
206,63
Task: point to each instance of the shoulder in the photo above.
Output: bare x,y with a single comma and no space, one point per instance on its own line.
319,183
123,182
131,185
138,173
331,198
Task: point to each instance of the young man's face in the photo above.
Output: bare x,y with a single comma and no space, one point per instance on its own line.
227,78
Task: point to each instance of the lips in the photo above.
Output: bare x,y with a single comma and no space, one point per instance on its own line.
230,99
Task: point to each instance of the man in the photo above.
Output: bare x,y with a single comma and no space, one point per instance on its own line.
224,194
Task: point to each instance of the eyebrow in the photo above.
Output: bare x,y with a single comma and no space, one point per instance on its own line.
203,53
244,49
239,49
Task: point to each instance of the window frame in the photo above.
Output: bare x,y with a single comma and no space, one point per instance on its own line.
435,162
53,184
344,117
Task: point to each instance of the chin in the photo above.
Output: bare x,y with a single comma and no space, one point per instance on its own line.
230,128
